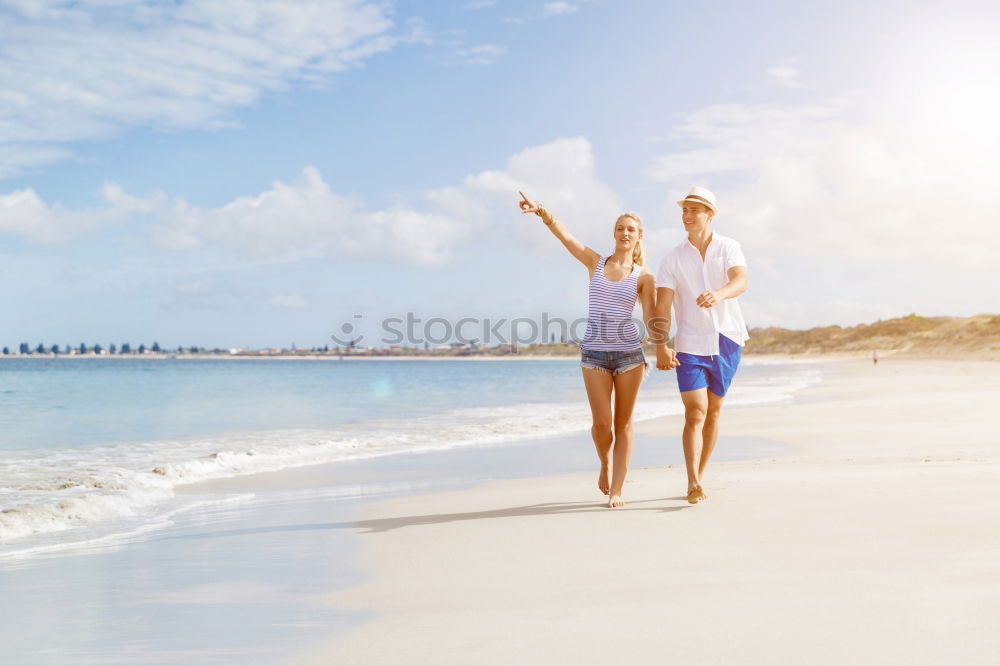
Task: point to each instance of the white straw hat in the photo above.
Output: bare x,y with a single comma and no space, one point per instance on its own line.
700,195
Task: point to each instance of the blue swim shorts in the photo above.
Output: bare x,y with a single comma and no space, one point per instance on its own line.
614,362
715,372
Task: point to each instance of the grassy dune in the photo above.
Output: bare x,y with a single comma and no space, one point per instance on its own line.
926,336
923,335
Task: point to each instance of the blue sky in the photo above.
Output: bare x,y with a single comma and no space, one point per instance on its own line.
253,174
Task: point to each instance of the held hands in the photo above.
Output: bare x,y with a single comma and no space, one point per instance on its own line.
707,299
666,358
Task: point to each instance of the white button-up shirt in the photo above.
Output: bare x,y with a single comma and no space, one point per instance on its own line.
684,271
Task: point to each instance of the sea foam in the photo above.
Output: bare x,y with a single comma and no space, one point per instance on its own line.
69,490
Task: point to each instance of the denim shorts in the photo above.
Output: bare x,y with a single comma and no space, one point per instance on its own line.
614,362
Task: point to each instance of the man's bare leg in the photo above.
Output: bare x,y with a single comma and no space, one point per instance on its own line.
695,410
710,432
599,384
626,389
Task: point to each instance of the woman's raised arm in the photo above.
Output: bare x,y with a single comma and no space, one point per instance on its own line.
584,254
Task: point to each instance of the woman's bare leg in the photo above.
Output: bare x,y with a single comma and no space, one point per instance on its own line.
626,389
599,384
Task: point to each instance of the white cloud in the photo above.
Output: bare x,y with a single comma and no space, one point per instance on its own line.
418,236
297,219
784,75
479,4
558,8
24,213
84,71
736,137
483,54
307,218
549,9
561,175
858,208
835,182
302,217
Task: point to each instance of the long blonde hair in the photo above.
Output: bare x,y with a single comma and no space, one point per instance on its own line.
638,256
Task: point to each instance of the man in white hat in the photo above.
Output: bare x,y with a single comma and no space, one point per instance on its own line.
701,279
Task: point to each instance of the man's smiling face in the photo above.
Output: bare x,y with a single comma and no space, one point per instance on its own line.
695,216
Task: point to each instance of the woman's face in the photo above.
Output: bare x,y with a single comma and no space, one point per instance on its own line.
627,233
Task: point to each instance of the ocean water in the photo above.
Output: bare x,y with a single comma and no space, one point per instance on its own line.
112,552
95,448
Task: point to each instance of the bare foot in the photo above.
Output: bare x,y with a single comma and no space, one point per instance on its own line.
695,494
615,501
602,480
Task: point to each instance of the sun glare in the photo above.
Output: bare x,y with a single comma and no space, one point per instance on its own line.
944,75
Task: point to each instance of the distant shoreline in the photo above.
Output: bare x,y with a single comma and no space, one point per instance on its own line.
304,357
973,338
767,357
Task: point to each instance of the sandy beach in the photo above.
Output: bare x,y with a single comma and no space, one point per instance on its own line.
875,542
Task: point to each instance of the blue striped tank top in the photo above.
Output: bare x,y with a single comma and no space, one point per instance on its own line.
609,317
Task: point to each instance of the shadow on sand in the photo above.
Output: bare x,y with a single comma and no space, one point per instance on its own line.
397,522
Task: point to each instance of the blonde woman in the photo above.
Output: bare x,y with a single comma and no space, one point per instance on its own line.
612,359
